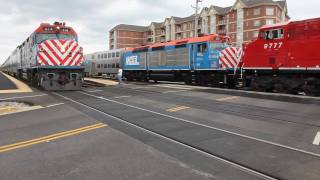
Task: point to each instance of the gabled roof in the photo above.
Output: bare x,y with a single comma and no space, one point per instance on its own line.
129,27
157,24
221,10
179,20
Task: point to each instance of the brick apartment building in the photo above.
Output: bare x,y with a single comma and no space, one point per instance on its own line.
240,22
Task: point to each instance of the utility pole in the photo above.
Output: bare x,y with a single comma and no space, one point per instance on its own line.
196,17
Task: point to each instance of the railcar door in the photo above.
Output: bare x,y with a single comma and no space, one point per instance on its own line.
202,56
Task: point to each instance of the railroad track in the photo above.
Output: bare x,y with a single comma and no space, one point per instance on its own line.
244,166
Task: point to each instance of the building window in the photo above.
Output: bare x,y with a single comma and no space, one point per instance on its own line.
117,54
255,34
109,55
247,23
256,11
269,22
105,56
98,56
270,11
113,54
257,23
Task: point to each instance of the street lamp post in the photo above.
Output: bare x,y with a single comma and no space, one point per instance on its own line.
196,17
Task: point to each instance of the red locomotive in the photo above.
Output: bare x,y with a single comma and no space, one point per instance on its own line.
284,58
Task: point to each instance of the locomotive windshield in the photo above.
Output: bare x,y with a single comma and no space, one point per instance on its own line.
218,46
42,37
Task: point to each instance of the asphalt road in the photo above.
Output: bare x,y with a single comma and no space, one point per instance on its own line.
5,83
272,138
158,131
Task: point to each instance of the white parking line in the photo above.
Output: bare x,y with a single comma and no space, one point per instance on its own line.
96,90
119,97
52,105
21,97
316,140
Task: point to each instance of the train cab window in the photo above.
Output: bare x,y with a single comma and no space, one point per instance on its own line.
117,65
202,48
274,34
117,54
109,55
113,54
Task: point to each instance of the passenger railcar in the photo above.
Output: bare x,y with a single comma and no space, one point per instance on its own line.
284,58
192,60
50,58
104,63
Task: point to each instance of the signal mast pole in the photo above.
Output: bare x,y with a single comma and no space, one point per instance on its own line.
196,17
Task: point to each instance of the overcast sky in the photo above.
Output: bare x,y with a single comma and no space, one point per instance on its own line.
92,19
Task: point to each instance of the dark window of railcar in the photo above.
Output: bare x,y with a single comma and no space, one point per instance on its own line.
117,54
113,65
274,34
109,55
117,65
202,47
113,54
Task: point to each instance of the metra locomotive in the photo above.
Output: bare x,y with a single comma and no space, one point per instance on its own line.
50,58
284,58
192,60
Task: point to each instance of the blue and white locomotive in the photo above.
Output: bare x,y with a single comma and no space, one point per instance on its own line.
203,60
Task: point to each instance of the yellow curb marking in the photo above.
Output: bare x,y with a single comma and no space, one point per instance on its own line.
228,98
102,81
21,87
50,137
178,108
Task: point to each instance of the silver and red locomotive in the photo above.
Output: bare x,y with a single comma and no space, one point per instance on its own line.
49,58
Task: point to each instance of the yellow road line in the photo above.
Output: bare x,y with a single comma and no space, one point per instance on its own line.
50,137
21,87
228,98
178,108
